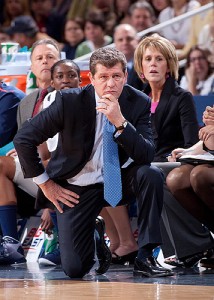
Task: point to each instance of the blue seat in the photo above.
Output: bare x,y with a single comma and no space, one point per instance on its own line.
201,102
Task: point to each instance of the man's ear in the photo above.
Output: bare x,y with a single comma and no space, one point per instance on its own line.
90,77
126,76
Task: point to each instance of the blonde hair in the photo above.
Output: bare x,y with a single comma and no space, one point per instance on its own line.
164,46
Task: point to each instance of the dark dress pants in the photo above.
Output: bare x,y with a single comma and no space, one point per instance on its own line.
187,235
76,225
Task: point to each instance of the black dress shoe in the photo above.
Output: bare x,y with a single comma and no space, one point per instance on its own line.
121,260
103,251
193,260
207,263
174,261
150,268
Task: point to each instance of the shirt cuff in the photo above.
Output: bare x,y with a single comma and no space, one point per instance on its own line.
41,178
117,134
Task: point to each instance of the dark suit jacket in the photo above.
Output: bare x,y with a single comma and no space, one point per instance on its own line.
174,122
73,114
10,97
134,80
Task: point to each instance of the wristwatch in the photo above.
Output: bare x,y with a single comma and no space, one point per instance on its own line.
122,126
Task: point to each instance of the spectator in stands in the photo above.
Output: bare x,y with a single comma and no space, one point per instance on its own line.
193,184
24,31
105,7
73,36
94,30
142,15
199,75
61,7
206,39
177,33
121,9
79,11
159,6
13,9
47,19
10,98
44,54
126,40
197,23
4,37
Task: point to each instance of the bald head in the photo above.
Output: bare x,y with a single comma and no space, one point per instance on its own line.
126,39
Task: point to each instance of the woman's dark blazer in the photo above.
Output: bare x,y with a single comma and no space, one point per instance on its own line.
174,122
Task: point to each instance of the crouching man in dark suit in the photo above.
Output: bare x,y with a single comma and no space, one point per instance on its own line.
77,178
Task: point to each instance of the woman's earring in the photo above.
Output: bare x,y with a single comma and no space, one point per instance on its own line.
142,76
167,75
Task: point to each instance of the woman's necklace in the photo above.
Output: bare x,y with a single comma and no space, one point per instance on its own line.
177,26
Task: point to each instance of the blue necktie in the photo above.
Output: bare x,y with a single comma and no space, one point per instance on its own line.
111,166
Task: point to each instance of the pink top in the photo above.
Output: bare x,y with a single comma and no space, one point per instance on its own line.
154,106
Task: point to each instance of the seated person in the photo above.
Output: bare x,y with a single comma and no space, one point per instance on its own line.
172,124
192,184
9,100
60,78
94,31
199,74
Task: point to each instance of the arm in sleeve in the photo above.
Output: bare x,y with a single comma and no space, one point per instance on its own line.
188,119
33,133
8,124
136,139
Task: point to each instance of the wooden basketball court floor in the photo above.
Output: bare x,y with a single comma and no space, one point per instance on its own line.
33,282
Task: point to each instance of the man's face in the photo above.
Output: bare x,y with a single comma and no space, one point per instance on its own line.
141,19
108,80
125,41
42,59
64,77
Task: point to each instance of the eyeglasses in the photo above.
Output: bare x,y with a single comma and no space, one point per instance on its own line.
200,58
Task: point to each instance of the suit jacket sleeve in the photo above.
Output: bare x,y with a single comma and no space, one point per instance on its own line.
136,140
189,122
33,133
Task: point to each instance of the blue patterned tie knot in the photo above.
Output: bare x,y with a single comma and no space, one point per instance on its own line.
111,166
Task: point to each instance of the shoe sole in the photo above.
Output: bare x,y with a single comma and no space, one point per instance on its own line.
141,273
15,264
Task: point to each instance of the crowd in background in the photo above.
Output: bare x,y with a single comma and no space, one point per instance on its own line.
80,29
